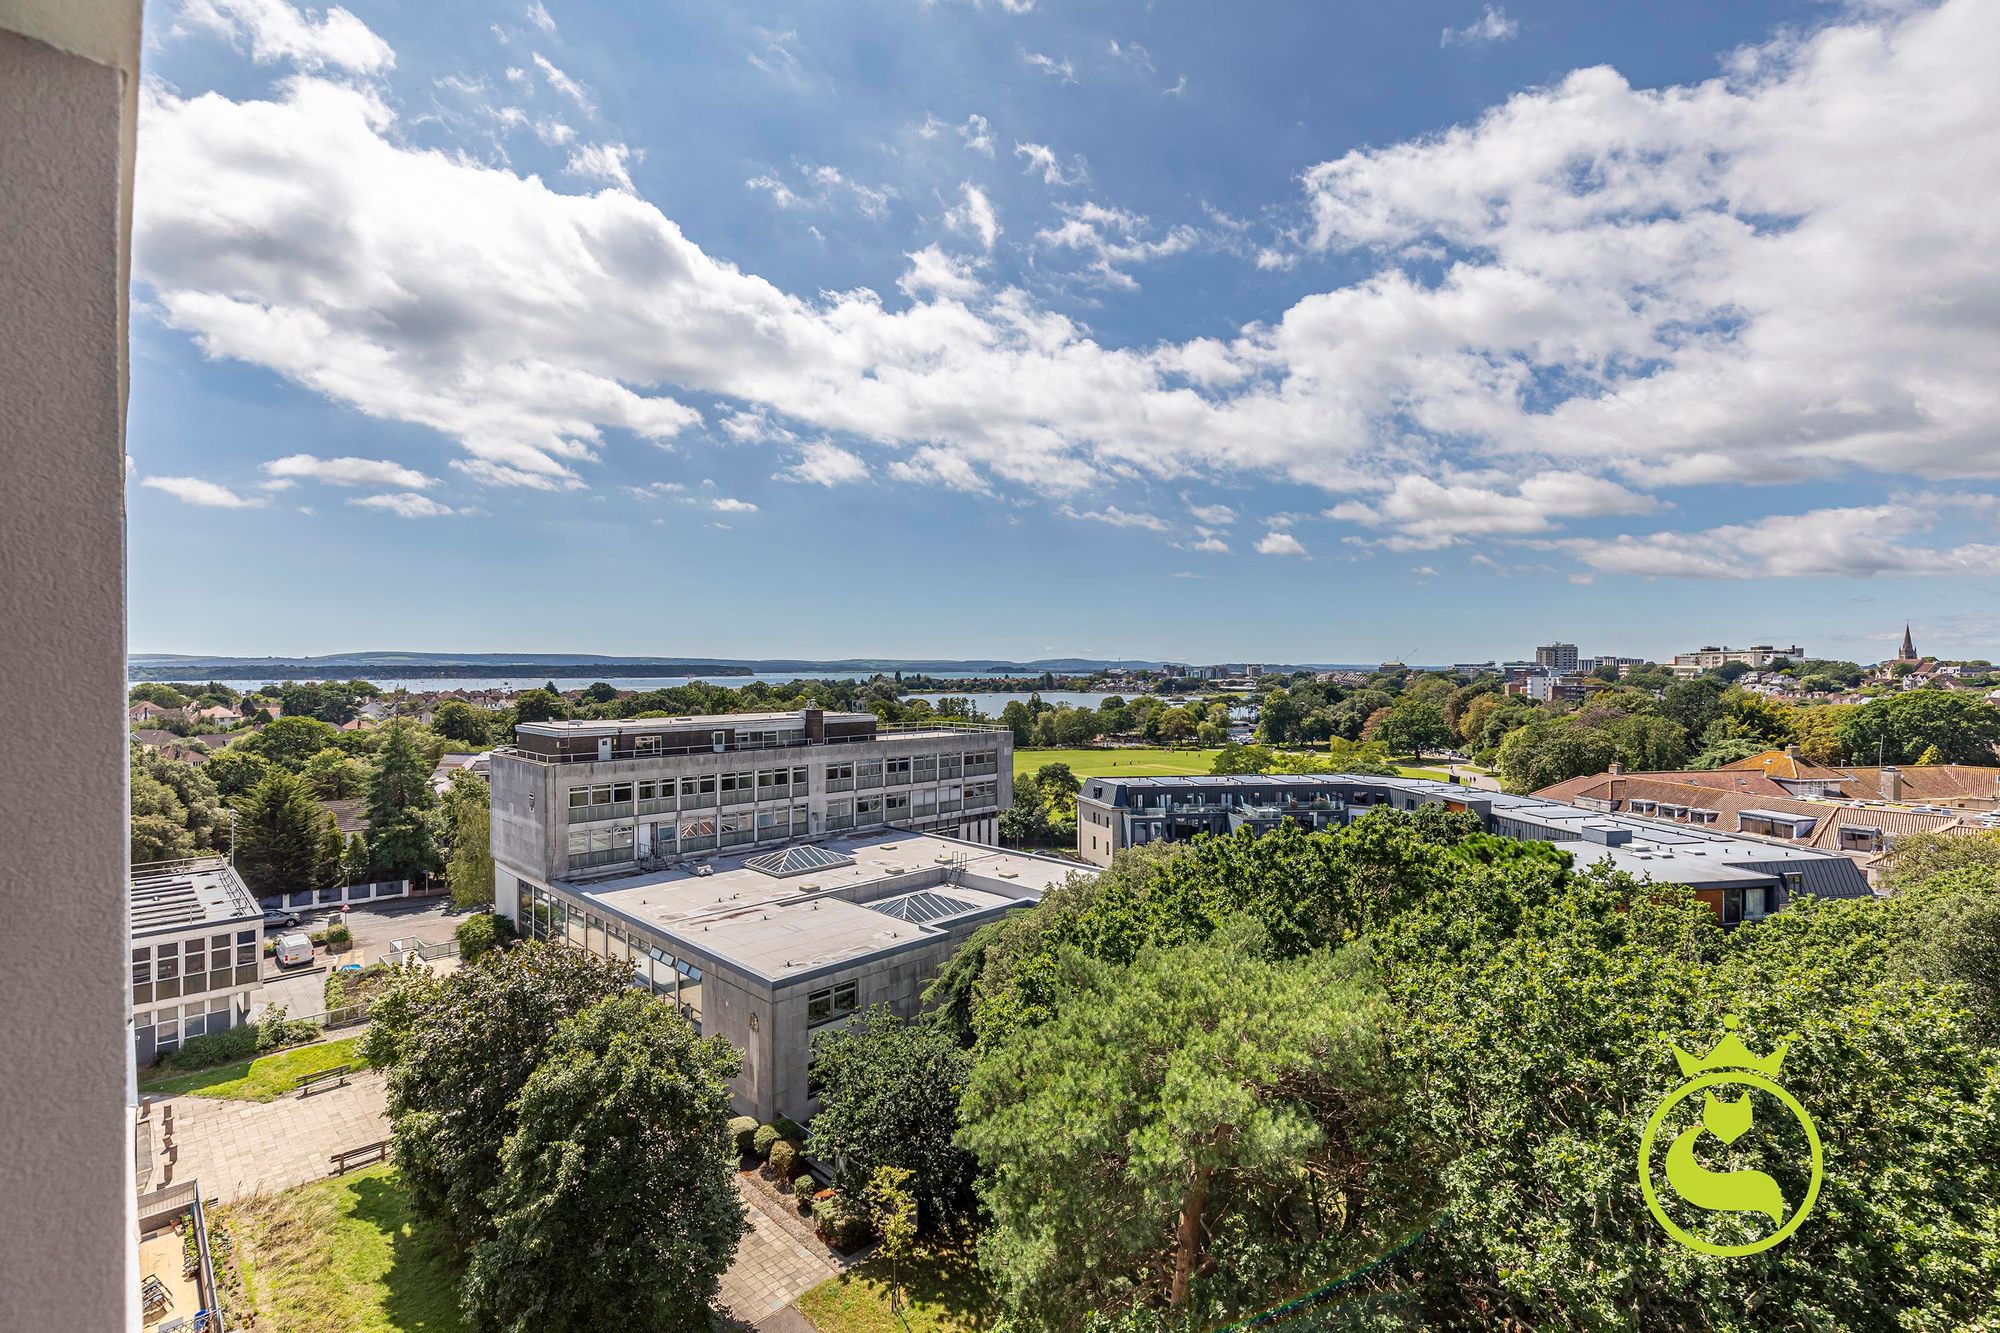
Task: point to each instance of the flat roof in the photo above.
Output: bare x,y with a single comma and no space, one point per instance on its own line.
575,726
173,896
785,930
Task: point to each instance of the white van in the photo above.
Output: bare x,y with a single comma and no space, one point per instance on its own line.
294,949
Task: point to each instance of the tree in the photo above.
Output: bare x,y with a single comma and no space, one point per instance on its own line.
615,1208
1278,718
290,741
1917,857
539,706
235,770
1732,671
162,696
458,1051
1551,751
894,1214
354,860
1193,1114
1025,823
402,830
1413,726
1963,728
467,816
332,701
333,776
600,692
1726,750
280,836
460,721
888,1097
1694,703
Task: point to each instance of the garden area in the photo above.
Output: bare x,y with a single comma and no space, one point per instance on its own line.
342,1256
943,1291
260,1078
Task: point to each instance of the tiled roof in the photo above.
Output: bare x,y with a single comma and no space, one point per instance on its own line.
1932,782
1785,766
1680,789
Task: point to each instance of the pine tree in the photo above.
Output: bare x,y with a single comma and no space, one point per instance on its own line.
280,836
402,808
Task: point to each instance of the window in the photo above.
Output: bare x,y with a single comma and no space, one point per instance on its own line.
951,765
824,1006
621,792
896,805
142,976
579,797
646,745
648,791
868,810
923,802
246,949
698,791
898,770
868,773
924,768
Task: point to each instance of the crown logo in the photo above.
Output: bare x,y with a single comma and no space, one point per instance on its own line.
1731,1053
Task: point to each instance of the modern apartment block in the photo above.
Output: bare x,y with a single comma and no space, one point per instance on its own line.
767,949
595,797
1556,657
1709,657
197,950
1740,878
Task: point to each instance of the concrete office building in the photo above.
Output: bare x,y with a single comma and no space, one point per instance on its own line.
1556,657
1740,878
767,948
197,951
570,797
1709,657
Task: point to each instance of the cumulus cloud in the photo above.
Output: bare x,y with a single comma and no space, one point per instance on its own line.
348,471
1491,26
1115,517
1214,515
604,162
823,464
1853,542
723,504
274,30
195,491
405,504
1279,543
1640,288
933,271
974,215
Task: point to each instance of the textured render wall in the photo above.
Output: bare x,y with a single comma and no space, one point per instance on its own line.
66,1254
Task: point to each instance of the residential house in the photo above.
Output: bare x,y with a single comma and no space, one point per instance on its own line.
147,711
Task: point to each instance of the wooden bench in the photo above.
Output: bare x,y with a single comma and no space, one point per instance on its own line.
336,1077
348,1158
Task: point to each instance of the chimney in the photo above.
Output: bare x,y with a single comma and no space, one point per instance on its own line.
1616,768
1791,752
1892,783
815,720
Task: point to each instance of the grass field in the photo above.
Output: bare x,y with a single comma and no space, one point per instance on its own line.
943,1292
261,1079
344,1256
1133,763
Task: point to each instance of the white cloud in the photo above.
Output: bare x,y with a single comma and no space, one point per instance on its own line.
823,464
976,136
932,270
563,83
348,471
1060,69
1115,517
1825,543
1111,238
1178,90
1429,513
553,132
605,162
656,490
1279,543
775,56
825,185
1492,25
1043,158
276,30
405,504
195,491
1215,515
725,505
974,215
1132,54
539,16
1722,282
1210,543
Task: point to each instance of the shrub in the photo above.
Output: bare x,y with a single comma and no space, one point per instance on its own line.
789,1129
841,1222
742,1133
785,1159
219,1048
482,933
275,1031
761,1142
336,936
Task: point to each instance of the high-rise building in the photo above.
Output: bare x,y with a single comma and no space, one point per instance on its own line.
1556,656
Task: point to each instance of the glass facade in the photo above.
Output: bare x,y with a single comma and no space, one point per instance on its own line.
550,916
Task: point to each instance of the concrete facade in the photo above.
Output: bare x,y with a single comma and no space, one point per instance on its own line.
69,80
197,951
667,779
766,960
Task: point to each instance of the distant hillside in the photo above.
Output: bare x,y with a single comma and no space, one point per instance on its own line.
368,665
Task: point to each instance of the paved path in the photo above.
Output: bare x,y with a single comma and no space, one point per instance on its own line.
237,1149
778,1262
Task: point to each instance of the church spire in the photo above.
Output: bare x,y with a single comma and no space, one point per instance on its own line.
1909,648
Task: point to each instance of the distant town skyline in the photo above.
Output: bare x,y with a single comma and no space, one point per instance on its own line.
1027,330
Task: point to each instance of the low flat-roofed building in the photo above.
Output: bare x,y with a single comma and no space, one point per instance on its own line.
1740,878
197,951
768,947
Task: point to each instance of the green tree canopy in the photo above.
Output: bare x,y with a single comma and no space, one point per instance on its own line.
402,826
614,1208
280,836
290,741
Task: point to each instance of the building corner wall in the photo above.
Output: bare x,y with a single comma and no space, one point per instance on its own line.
68,92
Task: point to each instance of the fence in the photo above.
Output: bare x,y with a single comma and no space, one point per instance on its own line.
163,1205
400,950
335,896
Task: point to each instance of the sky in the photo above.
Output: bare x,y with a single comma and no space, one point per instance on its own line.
1019,328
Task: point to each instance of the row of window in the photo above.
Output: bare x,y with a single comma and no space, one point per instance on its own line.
547,916
169,1026
189,967
589,801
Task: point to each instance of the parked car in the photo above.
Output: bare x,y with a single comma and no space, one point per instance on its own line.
294,949
280,916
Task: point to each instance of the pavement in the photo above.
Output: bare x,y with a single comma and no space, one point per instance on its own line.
778,1262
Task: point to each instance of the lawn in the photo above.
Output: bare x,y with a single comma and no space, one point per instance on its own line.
943,1292
344,1256
262,1079
1118,763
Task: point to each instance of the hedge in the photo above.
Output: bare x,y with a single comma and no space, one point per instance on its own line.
743,1133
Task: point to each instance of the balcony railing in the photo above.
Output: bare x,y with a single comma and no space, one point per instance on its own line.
835,822
840,784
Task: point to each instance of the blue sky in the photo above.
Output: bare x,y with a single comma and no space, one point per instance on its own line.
1301,333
